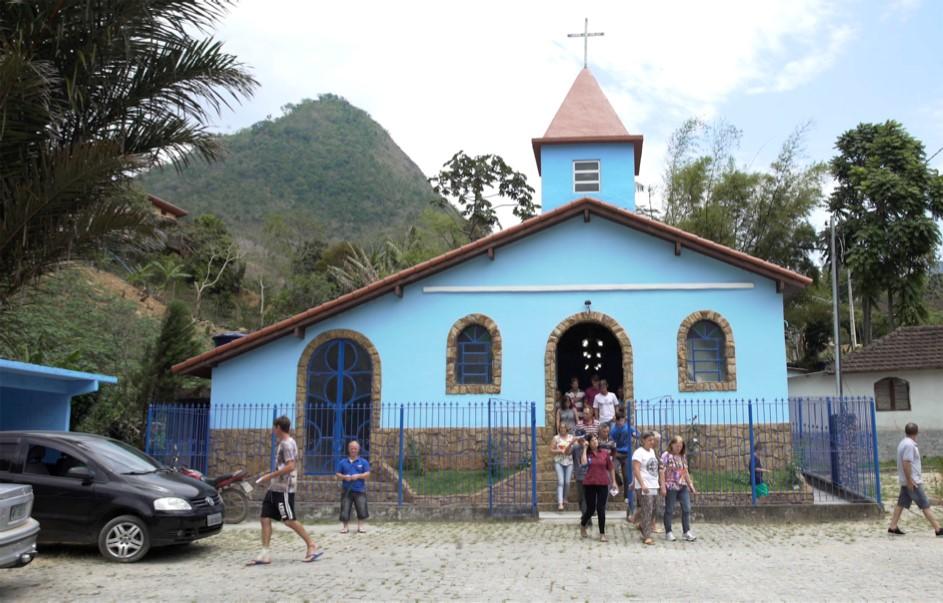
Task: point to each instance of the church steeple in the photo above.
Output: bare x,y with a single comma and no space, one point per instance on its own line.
587,151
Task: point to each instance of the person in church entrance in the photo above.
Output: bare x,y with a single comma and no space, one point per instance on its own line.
561,446
592,390
566,415
589,425
599,474
575,396
604,403
622,434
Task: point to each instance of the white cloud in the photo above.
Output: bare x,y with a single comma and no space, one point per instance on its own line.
800,70
488,76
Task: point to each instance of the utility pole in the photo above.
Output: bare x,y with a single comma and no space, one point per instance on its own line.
836,332
851,315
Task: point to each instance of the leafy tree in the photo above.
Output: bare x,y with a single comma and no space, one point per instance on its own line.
214,260
471,182
886,199
763,213
176,343
90,93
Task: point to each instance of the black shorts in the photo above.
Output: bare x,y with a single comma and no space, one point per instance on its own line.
359,500
279,505
918,496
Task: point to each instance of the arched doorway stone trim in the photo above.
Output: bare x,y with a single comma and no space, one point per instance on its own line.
550,356
301,388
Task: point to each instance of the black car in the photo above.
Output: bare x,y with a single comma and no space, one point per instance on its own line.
91,489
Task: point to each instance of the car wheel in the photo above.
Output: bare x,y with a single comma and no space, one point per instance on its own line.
124,539
235,505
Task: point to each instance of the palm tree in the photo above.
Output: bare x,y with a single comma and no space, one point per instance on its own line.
91,93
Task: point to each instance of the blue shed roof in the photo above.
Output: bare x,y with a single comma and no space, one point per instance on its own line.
23,375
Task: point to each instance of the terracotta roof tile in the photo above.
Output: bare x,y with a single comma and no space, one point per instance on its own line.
587,116
904,348
585,112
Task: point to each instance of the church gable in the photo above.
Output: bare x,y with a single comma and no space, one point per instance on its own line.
598,255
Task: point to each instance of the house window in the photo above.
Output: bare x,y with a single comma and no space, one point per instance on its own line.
892,393
706,354
586,176
473,356
473,362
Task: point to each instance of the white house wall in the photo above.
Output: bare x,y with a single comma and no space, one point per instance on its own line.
926,404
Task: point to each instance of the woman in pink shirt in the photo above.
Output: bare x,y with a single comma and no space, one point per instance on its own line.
600,475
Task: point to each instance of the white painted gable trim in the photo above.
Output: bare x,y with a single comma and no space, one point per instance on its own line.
579,288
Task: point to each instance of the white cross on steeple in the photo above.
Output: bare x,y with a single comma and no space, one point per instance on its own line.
585,35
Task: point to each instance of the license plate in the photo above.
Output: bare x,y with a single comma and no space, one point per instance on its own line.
214,520
246,487
18,512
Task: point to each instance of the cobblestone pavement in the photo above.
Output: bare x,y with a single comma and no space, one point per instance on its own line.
510,561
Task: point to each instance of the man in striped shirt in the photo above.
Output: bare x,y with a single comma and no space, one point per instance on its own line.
279,502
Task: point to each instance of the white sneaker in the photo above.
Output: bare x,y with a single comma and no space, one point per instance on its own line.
689,536
670,537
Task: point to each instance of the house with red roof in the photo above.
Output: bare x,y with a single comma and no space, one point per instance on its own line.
588,287
903,372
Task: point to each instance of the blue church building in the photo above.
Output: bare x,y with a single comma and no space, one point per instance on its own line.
588,286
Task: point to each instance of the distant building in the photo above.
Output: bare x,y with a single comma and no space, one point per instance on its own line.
166,209
903,372
34,396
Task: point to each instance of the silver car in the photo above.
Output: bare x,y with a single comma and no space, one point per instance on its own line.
18,531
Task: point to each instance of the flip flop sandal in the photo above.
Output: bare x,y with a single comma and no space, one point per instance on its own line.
311,557
257,562
361,531
345,531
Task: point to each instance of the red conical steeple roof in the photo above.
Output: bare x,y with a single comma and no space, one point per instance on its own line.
587,116
585,112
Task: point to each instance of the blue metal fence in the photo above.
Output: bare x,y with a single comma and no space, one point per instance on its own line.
484,454
478,454
785,451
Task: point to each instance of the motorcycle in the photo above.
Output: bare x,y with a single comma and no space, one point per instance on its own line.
234,488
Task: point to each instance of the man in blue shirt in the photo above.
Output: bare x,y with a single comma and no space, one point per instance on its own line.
622,433
353,471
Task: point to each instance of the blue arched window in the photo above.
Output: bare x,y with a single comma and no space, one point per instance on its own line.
473,360
705,353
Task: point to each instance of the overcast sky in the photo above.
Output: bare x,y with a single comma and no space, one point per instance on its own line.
486,77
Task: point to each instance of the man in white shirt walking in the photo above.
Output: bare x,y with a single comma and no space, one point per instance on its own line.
909,475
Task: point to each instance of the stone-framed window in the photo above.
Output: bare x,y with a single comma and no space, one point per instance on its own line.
706,354
892,393
473,356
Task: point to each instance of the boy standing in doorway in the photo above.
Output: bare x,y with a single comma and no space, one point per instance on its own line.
279,502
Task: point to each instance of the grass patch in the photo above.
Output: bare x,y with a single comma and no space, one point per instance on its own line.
739,481
444,482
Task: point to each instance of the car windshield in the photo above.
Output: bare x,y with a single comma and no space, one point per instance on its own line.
121,458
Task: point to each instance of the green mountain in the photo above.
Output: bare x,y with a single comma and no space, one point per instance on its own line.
325,158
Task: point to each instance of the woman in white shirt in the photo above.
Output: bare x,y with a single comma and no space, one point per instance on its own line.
645,469
561,447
